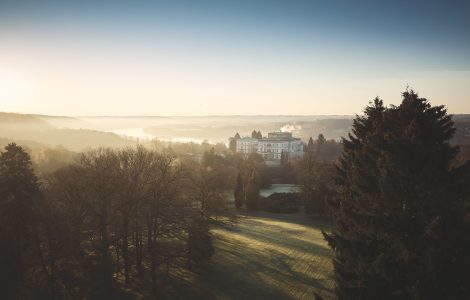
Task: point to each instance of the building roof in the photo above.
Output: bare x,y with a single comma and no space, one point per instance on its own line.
277,140
247,139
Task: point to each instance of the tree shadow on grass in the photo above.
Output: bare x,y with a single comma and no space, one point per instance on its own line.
273,234
242,271
321,285
311,221
254,260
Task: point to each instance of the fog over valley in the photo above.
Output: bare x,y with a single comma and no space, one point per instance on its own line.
78,133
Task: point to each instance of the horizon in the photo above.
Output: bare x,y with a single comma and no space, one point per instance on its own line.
179,116
195,116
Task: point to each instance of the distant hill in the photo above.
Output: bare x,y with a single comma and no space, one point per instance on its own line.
31,129
330,128
18,122
65,122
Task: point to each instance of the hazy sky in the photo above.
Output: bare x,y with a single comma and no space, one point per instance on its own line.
230,57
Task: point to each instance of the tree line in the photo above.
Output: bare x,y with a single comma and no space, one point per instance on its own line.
315,172
109,218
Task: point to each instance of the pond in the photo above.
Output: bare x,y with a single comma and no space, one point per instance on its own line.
280,188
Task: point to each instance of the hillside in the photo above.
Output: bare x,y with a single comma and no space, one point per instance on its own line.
31,129
20,122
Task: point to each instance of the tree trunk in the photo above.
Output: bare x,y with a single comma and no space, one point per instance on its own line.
149,234
153,267
125,248
51,260
138,249
118,259
105,259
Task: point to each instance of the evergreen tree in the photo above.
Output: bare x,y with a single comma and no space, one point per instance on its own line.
238,193
320,140
256,134
320,147
310,145
252,193
315,178
400,230
306,176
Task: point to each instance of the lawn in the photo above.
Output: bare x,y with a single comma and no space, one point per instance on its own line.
263,256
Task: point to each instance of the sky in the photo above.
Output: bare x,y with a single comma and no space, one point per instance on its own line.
240,57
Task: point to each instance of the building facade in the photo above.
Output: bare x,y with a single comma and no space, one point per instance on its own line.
272,147
247,145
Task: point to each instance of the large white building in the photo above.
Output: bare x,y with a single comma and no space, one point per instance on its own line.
272,147
247,145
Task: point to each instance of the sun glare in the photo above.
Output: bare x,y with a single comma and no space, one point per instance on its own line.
13,90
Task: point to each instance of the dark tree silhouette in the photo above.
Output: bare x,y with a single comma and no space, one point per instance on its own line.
256,134
310,145
320,140
252,192
19,195
127,212
315,175
199,244
400,230
238,194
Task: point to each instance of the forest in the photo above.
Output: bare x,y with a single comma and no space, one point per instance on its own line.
74,232
85,225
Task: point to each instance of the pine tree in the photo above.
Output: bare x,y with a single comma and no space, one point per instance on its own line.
238,193
400,230
310,145
306,176
252,192
320,148
320,140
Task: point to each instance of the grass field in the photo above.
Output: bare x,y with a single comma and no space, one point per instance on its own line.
263,256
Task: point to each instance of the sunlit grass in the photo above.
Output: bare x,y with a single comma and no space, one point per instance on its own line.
264,256
274,258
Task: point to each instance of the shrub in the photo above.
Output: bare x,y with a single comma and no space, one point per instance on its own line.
281,203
